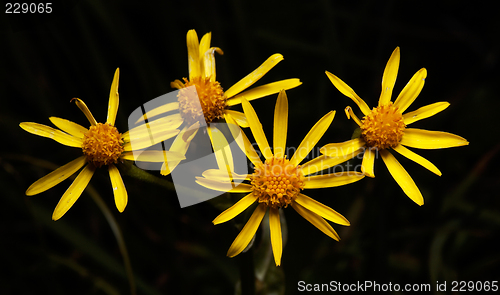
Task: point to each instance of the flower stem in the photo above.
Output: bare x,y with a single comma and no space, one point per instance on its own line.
118,235
130,169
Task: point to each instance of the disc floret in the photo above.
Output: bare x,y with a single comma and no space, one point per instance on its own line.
102,144
209,95
276,182
383,127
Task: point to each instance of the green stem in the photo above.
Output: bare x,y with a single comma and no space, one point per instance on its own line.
130,169
107,213
118,235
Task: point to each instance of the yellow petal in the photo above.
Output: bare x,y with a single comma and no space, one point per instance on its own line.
73,192
180,145
239,117
67,126
280,125
312,138
152,156
193,47
254,76
119,190
224,186
321,209
264,90
181,142
247,145
368,162
332,179
83,107
256,127
389,77
324,162
402,177
113,99
49,132
342,149
426,139
411,90
425,112
204,47
350,114
165,108
177,84
417,158
209,62
276,240
205,42
245,236
55,177
221,149
138,140
150,129
316,220
222,175
347,91
236,209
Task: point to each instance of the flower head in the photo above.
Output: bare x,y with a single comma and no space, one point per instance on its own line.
208,95
210,102
385,127
278,182
101,144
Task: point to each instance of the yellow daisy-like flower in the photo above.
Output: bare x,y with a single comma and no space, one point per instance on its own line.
214,101
278,182
385,127
101,144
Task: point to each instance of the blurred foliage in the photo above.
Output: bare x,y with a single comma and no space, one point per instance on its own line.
47,60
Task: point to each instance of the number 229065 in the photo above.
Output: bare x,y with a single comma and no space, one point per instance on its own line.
474,286
28,7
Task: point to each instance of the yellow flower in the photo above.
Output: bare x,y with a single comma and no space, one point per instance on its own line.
101,144
385,127
210,95
277,182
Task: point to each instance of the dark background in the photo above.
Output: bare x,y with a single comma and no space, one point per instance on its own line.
48,59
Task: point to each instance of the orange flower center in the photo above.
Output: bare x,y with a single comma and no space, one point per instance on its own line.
383,127
208,95
276,182
102,144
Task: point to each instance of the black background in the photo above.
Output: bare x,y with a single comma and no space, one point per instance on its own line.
48,59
